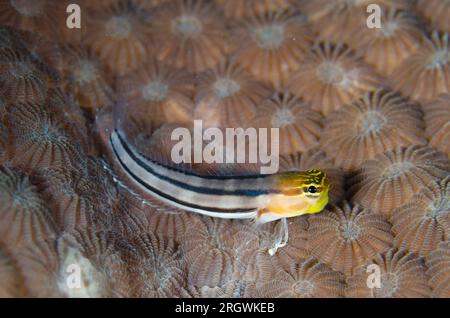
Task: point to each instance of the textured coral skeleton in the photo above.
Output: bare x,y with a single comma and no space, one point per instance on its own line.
369,107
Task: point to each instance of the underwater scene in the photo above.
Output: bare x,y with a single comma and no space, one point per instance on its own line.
225,148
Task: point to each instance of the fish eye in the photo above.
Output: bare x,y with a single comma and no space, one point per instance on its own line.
312,189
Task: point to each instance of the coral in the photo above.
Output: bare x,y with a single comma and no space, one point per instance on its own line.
65,109
304,278
369,126
100,266
346,236
45,53
231,289
10,276
391,179
299,126
85,77
209,251
403,275
424,221
24,214
316,158
385,48
338,20
74,199
332,75
30,15
227,96
243,8
120,35
40,140
275,41
156,267
254,263
20,78
437,120
158,92
191,34
438,263
436,12
425,74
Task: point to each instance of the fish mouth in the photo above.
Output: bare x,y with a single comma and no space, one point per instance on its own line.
309,196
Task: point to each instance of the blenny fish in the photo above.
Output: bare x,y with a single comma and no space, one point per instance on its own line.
263,198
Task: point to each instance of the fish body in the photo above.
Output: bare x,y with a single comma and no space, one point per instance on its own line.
264,198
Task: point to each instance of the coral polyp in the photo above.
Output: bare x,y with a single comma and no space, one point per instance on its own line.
276,42
243,8
306,278
24,216
369,126
424,75
85,77
437,120
387,47
20,78
392,178
424,221
299,126
159,92
30,15
228,96
158,269
356,235
39,139
120,36
403,275
436,12
191,35
332,75
10,276
209,251
438,262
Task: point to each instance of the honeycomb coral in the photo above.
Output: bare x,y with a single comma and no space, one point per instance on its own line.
120,36
437,120
424,75
158,91
227,96
385,48
20,78
85,77
158,270
99,262
436,12
403,275
30,15
304,279
24,215
346,236
40,140
331,75
299,126
209,251
367,106
391,179
10,276
242,8
191,35
438,262
422,223
276,41
369,126
344,15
